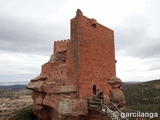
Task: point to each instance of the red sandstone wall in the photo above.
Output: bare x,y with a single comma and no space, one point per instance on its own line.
46,68
90,57
57,72
60,46
72,58
95,58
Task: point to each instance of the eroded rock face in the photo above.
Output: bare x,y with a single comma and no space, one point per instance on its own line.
78,69
117,97
59,56
115,82
49,97
73,107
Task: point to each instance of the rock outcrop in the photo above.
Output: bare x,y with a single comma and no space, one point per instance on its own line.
117,96
77,70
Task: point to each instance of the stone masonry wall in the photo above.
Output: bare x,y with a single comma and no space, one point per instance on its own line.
94,58
60,46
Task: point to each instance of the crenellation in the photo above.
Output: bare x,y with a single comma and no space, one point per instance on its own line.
61,41
61,45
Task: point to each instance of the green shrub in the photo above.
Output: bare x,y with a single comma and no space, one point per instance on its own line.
25,113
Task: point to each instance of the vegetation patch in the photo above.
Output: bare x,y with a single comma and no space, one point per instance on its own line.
25,113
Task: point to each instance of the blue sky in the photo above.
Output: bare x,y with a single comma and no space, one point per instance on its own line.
29,28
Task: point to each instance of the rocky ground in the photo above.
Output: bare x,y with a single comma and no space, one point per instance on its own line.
12,101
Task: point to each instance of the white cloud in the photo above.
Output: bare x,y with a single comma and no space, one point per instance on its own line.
135,69
31,9
19,65
29,28
104,11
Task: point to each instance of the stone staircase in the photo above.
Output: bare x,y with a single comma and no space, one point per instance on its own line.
111,110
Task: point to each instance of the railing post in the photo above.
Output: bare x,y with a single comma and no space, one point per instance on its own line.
102,97
88,102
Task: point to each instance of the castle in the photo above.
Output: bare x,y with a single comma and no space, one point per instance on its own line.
78,69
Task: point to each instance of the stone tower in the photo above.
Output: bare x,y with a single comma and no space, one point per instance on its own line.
77,69
93,53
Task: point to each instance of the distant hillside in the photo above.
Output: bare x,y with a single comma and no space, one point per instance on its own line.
143,96
13,87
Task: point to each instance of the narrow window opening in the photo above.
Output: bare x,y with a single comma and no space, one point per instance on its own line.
93,25
94,89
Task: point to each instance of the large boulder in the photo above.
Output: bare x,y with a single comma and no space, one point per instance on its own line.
117,97
106,99
115,82
73,107
58,56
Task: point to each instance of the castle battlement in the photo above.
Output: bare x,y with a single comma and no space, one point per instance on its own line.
61,45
